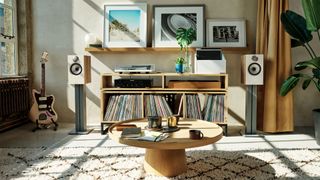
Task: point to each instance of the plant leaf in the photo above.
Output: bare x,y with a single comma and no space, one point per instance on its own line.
306,83
311,10
295,43
317,84
185,37
316,73
296,26
313,63
289,84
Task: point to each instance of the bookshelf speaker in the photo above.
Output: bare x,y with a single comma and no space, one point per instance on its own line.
252,69
79,69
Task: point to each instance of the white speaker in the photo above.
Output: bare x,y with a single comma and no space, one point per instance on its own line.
252,69
79,69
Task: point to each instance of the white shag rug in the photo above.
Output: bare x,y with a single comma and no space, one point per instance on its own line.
127,163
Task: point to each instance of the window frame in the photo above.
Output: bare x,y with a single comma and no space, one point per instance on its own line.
13,40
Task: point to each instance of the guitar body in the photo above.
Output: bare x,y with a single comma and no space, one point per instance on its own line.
42,111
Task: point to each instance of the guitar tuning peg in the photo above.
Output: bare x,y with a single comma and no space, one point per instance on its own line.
44,56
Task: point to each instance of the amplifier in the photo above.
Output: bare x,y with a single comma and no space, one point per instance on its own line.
133,83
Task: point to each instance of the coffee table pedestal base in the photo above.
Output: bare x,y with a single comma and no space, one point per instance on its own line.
165,162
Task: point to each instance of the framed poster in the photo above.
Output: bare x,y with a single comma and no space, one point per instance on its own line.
125,25
226,33
167,19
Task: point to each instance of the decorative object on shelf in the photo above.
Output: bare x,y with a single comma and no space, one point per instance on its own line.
169,18
125,25
209,61
91,40
226,33
179,65
300,29
185,37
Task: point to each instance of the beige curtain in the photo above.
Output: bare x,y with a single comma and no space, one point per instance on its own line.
274,111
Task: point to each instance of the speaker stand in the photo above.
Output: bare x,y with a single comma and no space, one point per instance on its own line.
80,111
251,111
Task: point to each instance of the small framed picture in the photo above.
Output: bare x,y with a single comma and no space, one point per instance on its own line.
226,33
167,19
125,25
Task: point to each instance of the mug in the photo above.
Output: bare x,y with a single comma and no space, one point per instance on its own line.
154,122
195,134
172,121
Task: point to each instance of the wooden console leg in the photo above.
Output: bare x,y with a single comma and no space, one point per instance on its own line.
165,162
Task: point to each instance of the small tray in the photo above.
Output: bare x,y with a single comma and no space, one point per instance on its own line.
171,129
153,129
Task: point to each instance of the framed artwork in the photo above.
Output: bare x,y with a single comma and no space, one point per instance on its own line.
226,33
167,19
125,25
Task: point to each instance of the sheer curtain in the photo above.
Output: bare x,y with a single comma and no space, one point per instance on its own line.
275,113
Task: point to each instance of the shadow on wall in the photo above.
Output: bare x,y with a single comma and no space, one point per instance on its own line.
53,32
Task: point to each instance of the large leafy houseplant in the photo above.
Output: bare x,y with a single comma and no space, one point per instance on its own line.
300,29
184,38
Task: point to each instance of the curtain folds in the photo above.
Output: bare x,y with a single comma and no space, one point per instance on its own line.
275,113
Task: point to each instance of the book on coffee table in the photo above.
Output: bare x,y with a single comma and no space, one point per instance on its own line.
131,132
153,136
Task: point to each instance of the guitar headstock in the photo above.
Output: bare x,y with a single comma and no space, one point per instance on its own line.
44,57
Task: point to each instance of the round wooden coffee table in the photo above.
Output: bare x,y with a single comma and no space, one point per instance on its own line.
168,157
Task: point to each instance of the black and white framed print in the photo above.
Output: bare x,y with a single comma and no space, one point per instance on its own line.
226,33
125,25
167,19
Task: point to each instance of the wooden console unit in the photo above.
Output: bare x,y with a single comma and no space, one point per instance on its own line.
182,97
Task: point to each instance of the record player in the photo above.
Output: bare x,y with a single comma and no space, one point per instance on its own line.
139,68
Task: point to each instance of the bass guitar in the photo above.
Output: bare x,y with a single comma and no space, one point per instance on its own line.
42,112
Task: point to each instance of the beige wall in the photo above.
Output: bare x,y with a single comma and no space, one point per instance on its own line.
59,27
304,100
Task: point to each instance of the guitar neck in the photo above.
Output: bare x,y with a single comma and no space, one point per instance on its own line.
43,78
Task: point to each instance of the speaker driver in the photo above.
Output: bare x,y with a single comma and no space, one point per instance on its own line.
254,69
76,69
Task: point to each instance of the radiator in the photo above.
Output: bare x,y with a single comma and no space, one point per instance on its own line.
14,101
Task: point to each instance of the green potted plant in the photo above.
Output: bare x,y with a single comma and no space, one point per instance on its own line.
300,29
179,64
184,38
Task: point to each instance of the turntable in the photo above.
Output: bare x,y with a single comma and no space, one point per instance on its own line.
139,68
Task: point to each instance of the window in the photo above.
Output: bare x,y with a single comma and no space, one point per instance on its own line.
8,38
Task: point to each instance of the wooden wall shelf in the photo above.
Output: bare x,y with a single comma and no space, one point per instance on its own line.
151,49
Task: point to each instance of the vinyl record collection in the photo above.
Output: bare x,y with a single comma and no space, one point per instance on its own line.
212,109
156,105
209,107
123,107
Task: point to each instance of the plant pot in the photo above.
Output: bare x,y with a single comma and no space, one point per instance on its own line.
316,119
179,68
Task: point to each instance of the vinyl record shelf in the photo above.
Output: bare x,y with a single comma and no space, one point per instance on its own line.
174,87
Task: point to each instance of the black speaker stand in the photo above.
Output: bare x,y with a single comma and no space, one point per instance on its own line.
80,111
251,112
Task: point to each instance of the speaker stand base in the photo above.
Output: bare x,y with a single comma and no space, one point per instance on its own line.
253,135
74,132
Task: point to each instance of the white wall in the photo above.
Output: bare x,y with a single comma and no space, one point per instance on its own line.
59,27
304,100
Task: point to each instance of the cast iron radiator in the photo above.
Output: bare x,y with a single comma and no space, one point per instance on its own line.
14,102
